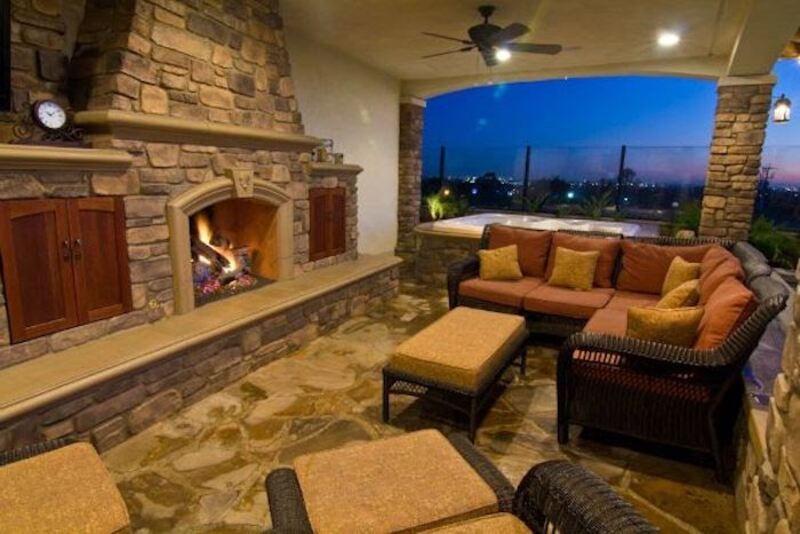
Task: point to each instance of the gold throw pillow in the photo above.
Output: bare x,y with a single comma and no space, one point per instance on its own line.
499,264
676,326
574,269
679,271
686,294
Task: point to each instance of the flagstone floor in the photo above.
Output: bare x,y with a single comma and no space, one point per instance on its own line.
203,469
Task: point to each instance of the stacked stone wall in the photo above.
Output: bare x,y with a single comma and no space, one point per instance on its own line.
735,161
768,486
412,117
110,412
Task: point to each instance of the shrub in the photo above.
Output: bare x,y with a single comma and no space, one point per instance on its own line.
441,207
595,206
782,249
687,217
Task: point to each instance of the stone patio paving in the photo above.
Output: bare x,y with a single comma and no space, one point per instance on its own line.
203,469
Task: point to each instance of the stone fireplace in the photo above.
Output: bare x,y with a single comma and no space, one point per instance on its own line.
229,235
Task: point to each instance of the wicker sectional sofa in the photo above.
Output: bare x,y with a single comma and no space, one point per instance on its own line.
689,397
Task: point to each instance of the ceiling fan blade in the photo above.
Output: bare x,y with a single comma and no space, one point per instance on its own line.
534,48
489,57
440,36
465,49
509,33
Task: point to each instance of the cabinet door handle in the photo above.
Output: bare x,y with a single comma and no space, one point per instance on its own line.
76,249
66,253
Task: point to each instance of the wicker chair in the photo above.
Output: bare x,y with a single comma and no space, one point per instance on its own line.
673,395
552,494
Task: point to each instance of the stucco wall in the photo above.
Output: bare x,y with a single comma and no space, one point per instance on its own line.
357,107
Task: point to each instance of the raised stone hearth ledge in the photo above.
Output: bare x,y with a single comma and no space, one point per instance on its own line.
334,169
37,383
46,158
163,129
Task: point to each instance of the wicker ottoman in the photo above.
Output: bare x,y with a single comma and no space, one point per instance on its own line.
456,360
406,483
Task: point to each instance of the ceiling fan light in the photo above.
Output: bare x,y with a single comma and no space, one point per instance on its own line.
502,54
668,39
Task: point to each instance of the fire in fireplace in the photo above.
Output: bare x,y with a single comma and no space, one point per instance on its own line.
230,244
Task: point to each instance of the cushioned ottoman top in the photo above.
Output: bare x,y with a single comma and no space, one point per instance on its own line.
65,490
413,481
502,523
462,348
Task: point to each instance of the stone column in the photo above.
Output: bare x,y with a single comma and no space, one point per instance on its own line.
732,178
412,114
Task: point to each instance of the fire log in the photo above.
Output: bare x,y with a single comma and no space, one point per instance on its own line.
201,249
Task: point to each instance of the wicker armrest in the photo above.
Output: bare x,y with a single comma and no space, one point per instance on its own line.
32,450
572,499
286,505
486,469
639,351
459,271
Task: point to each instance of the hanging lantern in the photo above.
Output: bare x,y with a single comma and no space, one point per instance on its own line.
782,110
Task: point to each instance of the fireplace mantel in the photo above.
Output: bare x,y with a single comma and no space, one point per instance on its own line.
334,169
160,128
48,158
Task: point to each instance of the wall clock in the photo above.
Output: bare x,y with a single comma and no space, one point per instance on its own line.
49,115
46,122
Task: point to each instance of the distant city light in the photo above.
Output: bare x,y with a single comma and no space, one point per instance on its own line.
474,191
570,195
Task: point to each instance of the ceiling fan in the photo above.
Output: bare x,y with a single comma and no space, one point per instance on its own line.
493,42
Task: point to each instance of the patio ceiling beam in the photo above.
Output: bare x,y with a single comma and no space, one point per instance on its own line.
708,67
767,28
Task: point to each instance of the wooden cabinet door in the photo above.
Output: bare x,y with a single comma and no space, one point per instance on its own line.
337,205
100,257
37,267
328,215
318,215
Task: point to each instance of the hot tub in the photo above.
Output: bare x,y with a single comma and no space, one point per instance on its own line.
473,224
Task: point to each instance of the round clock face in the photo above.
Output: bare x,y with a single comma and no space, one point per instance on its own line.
49,115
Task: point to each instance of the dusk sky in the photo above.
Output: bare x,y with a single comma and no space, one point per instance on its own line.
486,128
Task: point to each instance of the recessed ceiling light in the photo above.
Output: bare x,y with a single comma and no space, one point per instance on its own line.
502,54
667,39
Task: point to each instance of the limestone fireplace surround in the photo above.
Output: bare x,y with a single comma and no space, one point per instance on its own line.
238,184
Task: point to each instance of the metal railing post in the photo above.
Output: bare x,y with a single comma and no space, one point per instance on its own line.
526,178
620,178
441,165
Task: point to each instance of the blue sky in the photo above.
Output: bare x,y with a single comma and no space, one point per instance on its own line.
485,128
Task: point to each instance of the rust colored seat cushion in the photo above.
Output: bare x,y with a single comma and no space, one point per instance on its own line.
607,321
717,265
65,490
405,483
645,266
622,300
507,292
462,349
727,308
608,249
502,523
552,300
533,246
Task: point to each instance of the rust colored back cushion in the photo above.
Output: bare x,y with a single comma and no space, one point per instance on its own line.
608,249
728,307
644,265
533,247
718,264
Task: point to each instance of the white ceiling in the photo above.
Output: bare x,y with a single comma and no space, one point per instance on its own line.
600,37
